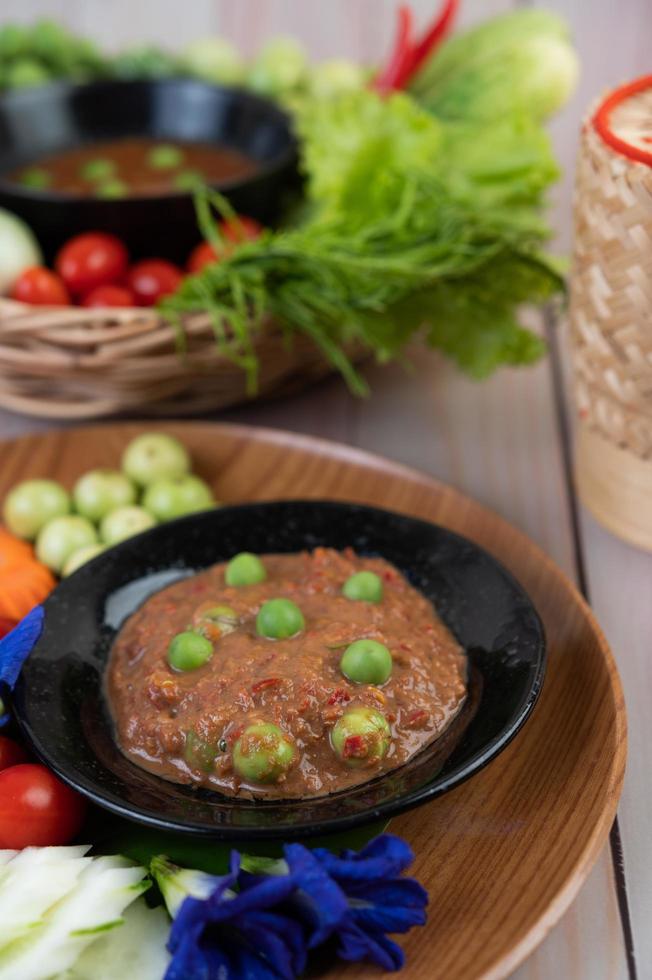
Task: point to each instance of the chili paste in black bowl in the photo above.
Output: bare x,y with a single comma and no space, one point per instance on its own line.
60,698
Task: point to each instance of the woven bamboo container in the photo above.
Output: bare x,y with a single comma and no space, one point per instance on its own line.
88,363
611,323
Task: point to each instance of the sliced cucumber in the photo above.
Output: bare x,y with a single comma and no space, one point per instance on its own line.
103,890
135,949
31,883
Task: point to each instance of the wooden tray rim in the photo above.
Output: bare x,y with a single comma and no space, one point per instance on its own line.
583,865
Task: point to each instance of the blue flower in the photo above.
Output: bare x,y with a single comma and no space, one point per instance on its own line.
15,647
358,898
235,935
258,921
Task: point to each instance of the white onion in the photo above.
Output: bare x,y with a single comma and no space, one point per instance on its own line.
18,249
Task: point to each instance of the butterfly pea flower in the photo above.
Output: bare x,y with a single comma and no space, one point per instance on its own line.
15,648
221,932
355,899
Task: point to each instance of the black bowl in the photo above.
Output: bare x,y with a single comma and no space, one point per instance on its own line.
59,697
40,121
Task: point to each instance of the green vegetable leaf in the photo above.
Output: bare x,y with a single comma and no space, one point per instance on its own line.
520,61
410,223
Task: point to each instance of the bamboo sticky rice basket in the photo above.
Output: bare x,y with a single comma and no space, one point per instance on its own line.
611,322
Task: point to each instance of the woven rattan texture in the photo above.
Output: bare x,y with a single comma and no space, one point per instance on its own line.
611,294
85,363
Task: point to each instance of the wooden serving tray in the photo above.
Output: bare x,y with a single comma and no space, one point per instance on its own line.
503,855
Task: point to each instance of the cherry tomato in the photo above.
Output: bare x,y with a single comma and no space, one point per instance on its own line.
40,287
36,808
202,255
6,625
11,753
90,260
109,296
152,279
240,229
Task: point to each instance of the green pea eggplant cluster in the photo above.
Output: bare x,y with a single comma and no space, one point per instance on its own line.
263,752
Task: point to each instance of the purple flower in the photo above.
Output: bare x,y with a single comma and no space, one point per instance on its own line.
15,648
258,921
358,898
218,932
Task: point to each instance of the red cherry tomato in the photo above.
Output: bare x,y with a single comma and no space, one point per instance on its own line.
152,279
37,809
202,255
234,230
40,287
11,753
240,229
90,260
109,296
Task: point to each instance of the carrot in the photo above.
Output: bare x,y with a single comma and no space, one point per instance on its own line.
24,581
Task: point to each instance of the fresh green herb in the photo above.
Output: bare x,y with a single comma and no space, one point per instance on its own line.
394,239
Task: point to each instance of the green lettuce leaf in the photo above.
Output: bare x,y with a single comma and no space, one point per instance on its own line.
521,61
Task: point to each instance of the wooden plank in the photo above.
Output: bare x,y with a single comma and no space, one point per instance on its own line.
620,589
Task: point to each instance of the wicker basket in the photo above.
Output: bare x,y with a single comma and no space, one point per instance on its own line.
611,329
85,363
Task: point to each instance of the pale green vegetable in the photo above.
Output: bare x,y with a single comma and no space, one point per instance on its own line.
31,883
124,522
520,62
60,538
26,73
178,496
31,504
329,78
95,904
18,249
177,884
155,456
280,68
214,59
98,492
134,951
80,557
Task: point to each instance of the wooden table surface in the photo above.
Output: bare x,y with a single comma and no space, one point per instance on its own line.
506,442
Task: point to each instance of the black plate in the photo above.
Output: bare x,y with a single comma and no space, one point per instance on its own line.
60,705
45,120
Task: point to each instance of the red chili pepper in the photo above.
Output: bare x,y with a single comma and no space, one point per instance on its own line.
408,56
416,718
602,120
339,696
386,80
433,37
354,747
268,682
